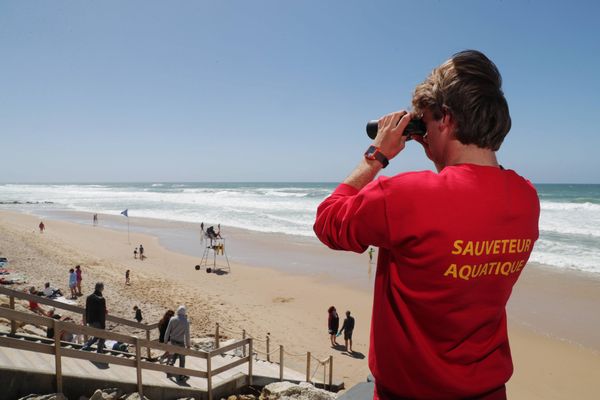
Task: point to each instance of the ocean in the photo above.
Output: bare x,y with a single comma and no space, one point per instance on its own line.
569,222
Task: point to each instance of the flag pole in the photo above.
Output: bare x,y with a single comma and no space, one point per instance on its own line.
128,241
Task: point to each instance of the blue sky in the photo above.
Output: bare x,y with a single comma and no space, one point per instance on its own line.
277,90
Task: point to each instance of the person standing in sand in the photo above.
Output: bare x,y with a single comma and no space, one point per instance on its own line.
73,283
42,227
452,244
127,282
371,251
178,334
142,252
333,324
138,314
347,328
95,220
79,279
135,253
95,316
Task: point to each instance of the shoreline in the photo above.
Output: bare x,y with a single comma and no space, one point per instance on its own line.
291,304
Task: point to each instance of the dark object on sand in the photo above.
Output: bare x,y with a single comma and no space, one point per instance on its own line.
197,267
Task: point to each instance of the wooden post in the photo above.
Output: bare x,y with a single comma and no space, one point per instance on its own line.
308,366
84,321
280,363
268,347
138,366
324,374
244,347
330,373
217,336
250,363
57,360
209,373
13,323
148,339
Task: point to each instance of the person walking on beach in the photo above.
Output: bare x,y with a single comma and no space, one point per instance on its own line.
73,283
178,334
95,316
333,324
138,314
162,329
142,252
79,279
135,253
452,244
42,226
127,282
347,328
95,220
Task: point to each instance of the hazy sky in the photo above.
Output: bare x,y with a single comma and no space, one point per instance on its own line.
277,90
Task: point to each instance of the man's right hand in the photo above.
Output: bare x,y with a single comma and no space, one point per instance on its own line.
389,137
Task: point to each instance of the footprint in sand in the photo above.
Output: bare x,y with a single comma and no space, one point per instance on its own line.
280,299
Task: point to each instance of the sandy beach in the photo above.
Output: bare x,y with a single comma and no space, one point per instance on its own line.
284,285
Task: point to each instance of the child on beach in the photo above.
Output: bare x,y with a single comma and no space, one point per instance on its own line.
73,283
42,227
79,278
138,314
127,278
135,253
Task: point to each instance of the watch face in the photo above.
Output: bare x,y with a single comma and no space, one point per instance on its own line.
371,152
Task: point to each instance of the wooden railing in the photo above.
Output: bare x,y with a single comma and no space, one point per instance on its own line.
15,294
326,363
57,349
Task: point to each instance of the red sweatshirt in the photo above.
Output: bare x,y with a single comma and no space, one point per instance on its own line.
451,247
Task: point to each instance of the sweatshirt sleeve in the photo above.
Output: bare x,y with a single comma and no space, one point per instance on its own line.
353,220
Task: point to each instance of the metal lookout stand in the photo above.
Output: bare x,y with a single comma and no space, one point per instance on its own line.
215,246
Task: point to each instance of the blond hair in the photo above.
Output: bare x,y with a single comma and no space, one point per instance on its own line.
469,87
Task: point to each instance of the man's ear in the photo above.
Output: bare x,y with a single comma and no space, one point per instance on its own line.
448,124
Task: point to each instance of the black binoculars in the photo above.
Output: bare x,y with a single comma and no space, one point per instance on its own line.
416,126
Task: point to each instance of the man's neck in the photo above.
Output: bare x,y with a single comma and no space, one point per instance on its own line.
458,153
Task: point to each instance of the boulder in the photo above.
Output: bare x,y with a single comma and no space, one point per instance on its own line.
291,391
107,394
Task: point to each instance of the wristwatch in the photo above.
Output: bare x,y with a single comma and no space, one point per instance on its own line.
374,153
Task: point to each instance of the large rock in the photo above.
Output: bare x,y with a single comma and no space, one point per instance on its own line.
107,394
54,396
291,391
133,396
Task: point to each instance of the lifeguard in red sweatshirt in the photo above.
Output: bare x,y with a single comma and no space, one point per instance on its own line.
451,244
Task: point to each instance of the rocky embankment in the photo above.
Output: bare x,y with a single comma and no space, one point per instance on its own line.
274,391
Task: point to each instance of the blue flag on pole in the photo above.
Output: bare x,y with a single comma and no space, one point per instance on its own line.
125,213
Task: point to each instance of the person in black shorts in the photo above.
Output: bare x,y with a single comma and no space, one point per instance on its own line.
347,328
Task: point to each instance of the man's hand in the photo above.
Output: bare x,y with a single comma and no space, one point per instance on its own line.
390,142
389,133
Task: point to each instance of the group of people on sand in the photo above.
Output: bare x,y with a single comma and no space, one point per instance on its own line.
140,252
333,325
